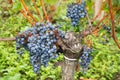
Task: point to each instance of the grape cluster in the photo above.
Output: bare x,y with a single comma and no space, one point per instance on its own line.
108,29
40,41
75,12
85,58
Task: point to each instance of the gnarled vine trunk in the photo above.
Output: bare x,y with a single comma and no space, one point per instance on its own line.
72,48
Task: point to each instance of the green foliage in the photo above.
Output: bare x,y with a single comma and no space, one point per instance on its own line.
106,57
116,3
106,60
52,2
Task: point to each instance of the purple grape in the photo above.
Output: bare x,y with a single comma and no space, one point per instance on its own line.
40,44
75,12
85,58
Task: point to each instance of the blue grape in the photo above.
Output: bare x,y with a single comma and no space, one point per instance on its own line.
85,58
108,29
75,12
40,41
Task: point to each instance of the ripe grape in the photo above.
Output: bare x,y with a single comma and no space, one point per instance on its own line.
85,58
108,29
40,41
75,12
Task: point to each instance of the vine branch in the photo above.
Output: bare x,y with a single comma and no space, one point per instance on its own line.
7,39
92,29
39,15
113,23
27,11
89,21
27,17
44,10
99,12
